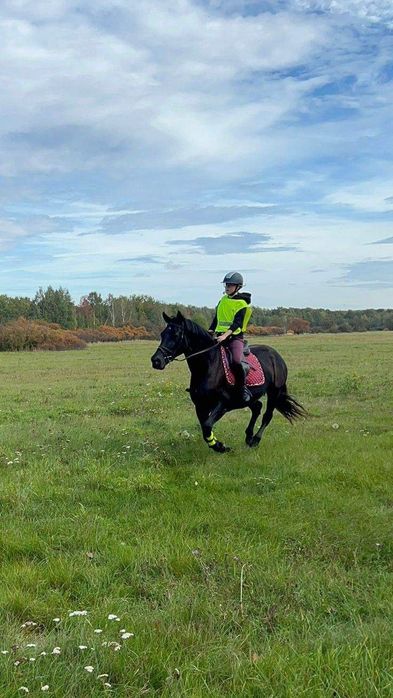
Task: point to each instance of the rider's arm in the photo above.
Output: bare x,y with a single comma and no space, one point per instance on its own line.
238,320
213,323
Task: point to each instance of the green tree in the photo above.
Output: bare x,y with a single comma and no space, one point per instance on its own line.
55,305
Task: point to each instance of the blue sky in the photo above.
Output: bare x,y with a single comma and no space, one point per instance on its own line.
151,147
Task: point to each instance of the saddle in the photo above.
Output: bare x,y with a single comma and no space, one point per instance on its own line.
252,368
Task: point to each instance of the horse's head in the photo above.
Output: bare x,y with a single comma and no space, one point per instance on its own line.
172,341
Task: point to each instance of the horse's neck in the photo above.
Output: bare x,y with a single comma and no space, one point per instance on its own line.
203,362
197,341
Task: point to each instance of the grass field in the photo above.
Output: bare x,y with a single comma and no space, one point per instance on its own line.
259,573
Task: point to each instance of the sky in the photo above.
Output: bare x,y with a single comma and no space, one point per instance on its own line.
151,147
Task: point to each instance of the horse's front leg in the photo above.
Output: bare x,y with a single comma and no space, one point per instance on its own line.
255,408
206,419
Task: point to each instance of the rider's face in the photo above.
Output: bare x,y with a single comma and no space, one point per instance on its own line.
230,289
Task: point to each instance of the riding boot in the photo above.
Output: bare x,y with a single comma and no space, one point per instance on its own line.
242,393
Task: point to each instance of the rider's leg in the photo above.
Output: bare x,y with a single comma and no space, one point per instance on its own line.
242,392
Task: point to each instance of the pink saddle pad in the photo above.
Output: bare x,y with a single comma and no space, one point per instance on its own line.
255,375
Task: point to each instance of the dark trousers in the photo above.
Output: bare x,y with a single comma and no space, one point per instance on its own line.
236,347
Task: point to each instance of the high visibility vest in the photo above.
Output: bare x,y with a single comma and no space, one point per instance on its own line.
226,311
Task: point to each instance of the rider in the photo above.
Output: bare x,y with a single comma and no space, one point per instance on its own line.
231,318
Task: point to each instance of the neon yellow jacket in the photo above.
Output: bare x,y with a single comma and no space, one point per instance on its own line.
226,312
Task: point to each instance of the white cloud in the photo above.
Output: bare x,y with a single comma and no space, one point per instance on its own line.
9,233
370,196
169,78
372,10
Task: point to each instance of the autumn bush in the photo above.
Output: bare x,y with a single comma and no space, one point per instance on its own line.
107,333
264,331
29,335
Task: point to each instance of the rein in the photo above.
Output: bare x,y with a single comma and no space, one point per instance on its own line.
202,351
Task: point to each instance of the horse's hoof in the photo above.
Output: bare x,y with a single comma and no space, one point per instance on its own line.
249,440
219,447
254,442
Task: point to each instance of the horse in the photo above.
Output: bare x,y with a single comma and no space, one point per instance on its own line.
209,390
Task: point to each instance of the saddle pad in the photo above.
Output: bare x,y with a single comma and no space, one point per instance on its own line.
255,375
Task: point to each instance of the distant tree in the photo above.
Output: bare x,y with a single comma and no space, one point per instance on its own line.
200,319
84,313
55,305
99,308
13,308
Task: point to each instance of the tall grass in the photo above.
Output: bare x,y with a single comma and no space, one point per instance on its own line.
255,573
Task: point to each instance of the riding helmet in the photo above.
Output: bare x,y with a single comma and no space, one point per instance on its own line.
233,277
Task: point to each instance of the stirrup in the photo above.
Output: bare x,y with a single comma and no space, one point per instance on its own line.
246,395
243,396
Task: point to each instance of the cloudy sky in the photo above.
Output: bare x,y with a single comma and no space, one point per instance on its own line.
150,147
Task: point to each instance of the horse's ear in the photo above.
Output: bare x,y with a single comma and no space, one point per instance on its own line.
179,316
166,317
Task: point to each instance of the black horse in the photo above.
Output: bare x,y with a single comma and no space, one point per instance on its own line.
209,389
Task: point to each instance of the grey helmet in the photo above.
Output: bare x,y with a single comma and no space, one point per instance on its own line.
233,277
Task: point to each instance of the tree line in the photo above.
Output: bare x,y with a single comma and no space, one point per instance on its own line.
93,311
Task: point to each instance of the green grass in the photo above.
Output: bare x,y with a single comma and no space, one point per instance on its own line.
258,573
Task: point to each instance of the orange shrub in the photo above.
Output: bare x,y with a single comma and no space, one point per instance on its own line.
298,325
107,333
25,335
263,331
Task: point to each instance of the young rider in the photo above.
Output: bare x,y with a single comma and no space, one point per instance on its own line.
231,318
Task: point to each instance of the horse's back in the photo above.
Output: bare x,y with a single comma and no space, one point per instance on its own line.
273,364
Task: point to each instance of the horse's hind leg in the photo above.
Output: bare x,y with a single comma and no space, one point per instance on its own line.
255,408
266,419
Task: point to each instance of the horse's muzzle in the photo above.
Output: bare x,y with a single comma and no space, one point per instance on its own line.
158,361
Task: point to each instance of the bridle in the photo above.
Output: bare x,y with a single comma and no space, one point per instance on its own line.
168,356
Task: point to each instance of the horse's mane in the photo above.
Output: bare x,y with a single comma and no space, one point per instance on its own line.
198,331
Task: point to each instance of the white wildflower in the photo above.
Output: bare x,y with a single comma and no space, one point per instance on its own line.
31,644
77,613
4,651
29,624
83,647
102,676
90,669
45,688
56,620
42,654
24,689
98,631
32,659
113,616
107,685
56,650
125,636
335,426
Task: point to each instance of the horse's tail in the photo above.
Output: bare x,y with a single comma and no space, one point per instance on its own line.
290,408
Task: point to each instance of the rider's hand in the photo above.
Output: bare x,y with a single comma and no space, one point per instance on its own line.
223,337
